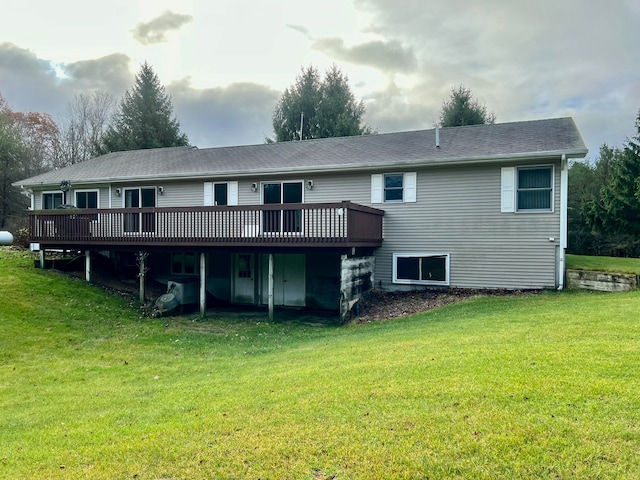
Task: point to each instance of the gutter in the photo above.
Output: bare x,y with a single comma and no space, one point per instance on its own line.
564,201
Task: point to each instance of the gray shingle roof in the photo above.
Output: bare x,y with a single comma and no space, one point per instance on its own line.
534,139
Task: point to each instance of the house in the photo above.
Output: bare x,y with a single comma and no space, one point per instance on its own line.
318,223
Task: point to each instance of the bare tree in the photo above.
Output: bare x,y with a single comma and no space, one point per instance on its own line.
83,127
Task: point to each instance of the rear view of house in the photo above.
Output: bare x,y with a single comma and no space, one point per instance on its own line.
319,223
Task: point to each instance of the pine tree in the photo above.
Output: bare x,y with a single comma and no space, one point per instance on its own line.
617,210
144,118
461,109
315,108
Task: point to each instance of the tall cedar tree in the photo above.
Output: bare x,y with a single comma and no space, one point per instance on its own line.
327,108
462,109
145,117
617,208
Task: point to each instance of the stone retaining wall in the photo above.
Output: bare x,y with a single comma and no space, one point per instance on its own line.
601,281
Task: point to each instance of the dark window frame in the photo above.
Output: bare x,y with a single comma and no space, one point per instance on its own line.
52,204
86,194
421,268
534,195
390,191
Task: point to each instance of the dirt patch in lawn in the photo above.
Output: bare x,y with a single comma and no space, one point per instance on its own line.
381,305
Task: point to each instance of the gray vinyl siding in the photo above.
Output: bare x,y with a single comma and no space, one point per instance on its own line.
458,213
245,195
184,194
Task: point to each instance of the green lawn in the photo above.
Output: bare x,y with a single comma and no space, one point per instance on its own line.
604,264
529,386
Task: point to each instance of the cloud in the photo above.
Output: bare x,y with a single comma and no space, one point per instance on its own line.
524,60
110,73
155,30
390,56
28,82
32,84
237,114
299,28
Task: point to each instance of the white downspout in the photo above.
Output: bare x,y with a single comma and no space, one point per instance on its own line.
564,199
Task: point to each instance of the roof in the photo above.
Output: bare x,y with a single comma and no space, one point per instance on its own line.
469,144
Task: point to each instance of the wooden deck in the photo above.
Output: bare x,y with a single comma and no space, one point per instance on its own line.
342,224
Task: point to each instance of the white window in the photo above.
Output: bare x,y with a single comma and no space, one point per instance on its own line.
51,200
220,193
86,198
421,268
393,187
527,189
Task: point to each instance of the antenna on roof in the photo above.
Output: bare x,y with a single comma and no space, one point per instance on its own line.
437,136
301,119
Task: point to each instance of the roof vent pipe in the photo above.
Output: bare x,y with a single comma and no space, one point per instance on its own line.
437,137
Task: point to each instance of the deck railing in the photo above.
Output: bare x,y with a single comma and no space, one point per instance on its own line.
301,224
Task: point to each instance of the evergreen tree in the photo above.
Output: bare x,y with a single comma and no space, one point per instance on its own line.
323,108
617,208
461,109
144,118
339,114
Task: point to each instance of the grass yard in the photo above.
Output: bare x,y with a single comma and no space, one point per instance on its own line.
530,386
604,264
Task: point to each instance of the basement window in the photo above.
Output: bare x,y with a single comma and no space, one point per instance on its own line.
183,263
421,269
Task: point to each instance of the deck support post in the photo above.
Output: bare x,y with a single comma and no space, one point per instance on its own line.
203,285
142,273
42,258
271,286
87,265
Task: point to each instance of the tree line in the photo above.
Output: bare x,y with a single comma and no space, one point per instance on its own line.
604,201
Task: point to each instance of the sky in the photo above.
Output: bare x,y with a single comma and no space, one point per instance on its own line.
225,63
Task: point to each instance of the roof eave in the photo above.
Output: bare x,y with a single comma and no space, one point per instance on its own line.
511,157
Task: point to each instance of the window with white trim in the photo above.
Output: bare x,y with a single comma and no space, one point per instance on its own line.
220,193
282,193
51,200
393,187
86,198
527,189
144,222
421,268
534,188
